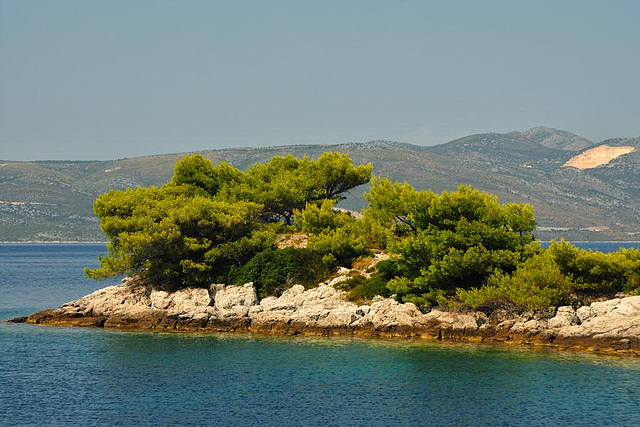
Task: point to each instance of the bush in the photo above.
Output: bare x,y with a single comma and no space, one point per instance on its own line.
362,289
274,271
210,219
167,236
536,283
338,247
597,273
316,219
459,239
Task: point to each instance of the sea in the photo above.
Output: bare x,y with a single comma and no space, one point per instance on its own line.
78,376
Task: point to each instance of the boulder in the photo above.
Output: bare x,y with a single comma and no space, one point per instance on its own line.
584,313
236,296
343,271
565,316
184,302
321,307
603,307
387,314
290,300
458,322
613,319
105,301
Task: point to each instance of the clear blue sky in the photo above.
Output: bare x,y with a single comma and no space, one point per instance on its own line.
88,79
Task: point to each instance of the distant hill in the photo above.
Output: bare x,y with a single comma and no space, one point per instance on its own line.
52,200
558,139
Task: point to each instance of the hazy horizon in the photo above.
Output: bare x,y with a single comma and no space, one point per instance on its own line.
97,80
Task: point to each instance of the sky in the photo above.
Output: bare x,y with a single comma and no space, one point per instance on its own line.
87,79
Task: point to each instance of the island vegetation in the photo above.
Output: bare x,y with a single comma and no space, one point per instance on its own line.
218,224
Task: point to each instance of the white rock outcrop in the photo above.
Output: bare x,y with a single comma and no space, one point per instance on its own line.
612,319
183,302
321,307
324,309
110,300
565,316
236,296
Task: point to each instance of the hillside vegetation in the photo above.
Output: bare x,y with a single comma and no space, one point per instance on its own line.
218,224
52,201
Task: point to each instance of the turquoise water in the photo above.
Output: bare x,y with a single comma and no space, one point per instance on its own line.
74,376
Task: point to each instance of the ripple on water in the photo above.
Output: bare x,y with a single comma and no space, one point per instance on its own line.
67,375
72,376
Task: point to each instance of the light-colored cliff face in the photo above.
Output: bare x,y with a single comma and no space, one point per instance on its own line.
598,156
608,325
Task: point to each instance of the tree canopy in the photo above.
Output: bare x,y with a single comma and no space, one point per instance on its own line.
453,240
210,219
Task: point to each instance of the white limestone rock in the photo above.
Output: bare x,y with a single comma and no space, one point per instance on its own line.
106,301
613,319
236,296
388,313
322,306
342,271
584,313
565,316
188,301
459,322
603,307
290,300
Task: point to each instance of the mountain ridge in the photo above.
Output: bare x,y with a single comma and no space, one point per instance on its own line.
51,200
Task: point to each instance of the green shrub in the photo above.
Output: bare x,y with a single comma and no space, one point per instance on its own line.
458,239
372,232
316,219
536,283
167,235
363,289
597,273
209,220
274,271
338,247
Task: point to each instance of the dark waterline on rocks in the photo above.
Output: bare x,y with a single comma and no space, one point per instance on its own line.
92,376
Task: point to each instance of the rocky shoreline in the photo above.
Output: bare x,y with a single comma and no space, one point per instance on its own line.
608,326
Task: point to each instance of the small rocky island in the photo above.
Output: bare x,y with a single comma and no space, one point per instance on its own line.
451,266
611,325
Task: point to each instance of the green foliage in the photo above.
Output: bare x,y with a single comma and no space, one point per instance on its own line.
460,239
338,246
282,185
273,271
373,233
557,273
211,220
316,219
536,283
334,174
287,184
165,235
198,173
395,204
361,289
219,224
597,273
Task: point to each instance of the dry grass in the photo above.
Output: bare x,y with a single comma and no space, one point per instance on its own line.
294,240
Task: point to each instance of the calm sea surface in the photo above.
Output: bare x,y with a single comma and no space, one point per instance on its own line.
74,376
